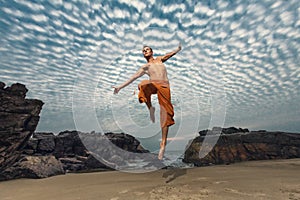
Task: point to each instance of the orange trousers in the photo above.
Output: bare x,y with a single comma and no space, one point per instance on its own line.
162,89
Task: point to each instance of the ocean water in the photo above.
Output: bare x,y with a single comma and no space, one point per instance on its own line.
172,160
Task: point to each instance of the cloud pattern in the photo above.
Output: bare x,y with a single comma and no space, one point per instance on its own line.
247,49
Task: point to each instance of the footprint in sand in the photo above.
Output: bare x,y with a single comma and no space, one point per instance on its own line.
171,193
236,192
254,195
219,182
201,178
123,191
139,193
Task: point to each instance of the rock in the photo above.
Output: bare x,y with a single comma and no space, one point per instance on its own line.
68,143
113,149
125,141
72,164
224,131
31,146
232,130
17,89
18,120
242,146
2,85
93,163
40,155
33,167
79,151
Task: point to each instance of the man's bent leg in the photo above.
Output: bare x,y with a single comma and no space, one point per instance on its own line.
146,89
151,111
164,136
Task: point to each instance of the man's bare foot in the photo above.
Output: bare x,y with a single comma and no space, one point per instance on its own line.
161,153
152,115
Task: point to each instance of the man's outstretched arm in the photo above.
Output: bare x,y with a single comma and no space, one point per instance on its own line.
169,55
138,74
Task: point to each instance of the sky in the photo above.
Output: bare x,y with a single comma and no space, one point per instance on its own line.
239,63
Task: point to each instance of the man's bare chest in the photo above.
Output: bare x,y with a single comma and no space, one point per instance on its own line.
156,68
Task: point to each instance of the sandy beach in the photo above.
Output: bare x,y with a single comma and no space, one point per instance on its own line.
276,179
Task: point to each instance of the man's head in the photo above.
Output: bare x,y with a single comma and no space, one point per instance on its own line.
147,52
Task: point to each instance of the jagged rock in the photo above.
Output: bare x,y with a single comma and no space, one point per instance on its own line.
79,151
68,143
17,89
232,130
2,85
93,163
72,164
33,167
244,146
18,120
225,131
126,142
113,149
44,143
46,154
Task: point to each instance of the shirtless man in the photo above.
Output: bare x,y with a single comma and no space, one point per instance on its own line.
158,83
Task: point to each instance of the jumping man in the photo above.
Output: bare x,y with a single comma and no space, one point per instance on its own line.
158,83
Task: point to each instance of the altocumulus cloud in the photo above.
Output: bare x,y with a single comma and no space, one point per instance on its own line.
253,45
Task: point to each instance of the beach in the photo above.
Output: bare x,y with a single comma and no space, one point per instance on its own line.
272,179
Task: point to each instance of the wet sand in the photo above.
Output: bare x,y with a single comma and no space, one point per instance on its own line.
276,179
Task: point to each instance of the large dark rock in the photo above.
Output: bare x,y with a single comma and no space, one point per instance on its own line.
244,146
226,131
46,154
18,120
27,155
33,167
79,151
125,142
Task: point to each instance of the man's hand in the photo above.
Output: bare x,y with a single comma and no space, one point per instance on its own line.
179,46
169,55
117,89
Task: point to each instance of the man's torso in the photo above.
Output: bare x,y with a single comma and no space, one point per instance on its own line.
157,70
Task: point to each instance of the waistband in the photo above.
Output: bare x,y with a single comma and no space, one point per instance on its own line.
160,82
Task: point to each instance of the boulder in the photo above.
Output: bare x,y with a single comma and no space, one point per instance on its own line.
25,154
18,120
33,167
79,151
243,146
223,131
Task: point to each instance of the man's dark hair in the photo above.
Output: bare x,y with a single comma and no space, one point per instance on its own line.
147,46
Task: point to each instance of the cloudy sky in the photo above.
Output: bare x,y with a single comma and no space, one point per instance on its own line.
239,64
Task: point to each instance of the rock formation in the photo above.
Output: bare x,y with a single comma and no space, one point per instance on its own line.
33,167
242,145
25,154
227,131
69,149
18,120
46,154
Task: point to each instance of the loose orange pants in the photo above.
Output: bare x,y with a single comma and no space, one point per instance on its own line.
162,89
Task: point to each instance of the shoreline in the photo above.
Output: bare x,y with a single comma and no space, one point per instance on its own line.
264,179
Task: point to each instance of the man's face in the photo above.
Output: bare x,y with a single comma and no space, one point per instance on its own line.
147,52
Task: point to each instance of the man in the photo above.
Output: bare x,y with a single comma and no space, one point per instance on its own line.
158,83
